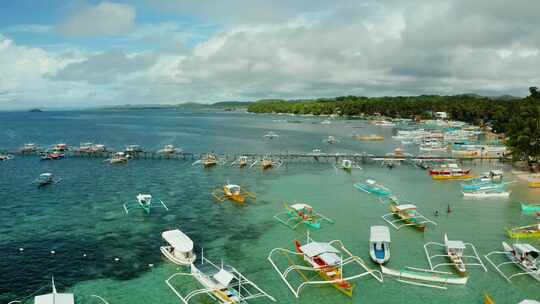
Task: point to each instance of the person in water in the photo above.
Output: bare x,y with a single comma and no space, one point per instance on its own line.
436,212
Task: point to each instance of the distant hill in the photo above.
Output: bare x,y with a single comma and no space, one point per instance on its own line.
222,105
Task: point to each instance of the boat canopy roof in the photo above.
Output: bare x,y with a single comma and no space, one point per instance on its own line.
45,175
370,182
455,245
526,301
405,207
178,240
379,234
144,196
224,277
300,206
496,172
232,186
314,249
526,248
55,298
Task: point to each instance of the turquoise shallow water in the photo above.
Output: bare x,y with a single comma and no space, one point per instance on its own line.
83,214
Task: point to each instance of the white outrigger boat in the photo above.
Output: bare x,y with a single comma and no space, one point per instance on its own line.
4,157
242,161
118,158
455,252
271,135
180,248
57,298
144,201
29,147
425,277
523,255
46,179
134,149
487,193
327,259
169,149
267,162
379,244
223,284
331,140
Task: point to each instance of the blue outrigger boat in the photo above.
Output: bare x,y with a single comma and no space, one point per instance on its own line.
371,186
530,208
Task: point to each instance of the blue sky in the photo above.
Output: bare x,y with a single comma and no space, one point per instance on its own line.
91,53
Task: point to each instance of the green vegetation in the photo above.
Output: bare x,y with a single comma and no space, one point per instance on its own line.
518,119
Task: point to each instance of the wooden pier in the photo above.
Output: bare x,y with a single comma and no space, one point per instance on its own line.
284,156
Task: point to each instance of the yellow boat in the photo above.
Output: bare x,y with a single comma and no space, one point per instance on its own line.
372,137
525,232
534,181
234,193
453,177
266,164
488,299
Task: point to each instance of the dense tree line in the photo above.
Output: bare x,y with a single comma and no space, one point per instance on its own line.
519,118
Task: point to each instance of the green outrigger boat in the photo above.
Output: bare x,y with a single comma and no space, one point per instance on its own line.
530,208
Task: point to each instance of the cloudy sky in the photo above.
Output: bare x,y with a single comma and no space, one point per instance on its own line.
59,53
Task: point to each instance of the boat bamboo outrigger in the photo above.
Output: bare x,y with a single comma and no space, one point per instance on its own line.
46,179
234,193
530,208
301,213
455,253
406,214
271,135
419,277
209,160
371,186
379,244
180,248
327,259
144,202
267,162
242,161
223,284
57,298
523,255
525,232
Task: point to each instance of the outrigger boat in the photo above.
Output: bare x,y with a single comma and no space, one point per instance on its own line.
223,284
523,255
487,193
61,147
29,147
234,193
144,201
327,260
52,156
371,137
417,276
379,244
371,186
242,161
455,253
180,248
133,149
406,214
271,135
57,298
4,157
450,172
209,160
530,208
267,162
46,179
169,149
331,140
118,158
525,232
534,181
301,213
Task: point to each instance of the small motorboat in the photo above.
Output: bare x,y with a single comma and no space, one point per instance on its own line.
180,248
379,244
523,255
169,149
487,193
530,208
131,149
4,157
331,140
62,147
29,148
271,135
242,161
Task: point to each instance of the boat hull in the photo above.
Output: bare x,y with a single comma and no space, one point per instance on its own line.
530,208
165,250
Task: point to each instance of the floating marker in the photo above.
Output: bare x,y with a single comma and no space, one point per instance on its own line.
116,259
150,265
53,252
21,249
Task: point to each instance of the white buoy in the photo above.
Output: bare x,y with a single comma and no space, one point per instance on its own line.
116,259
21,249
150,265
53,252
84,255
